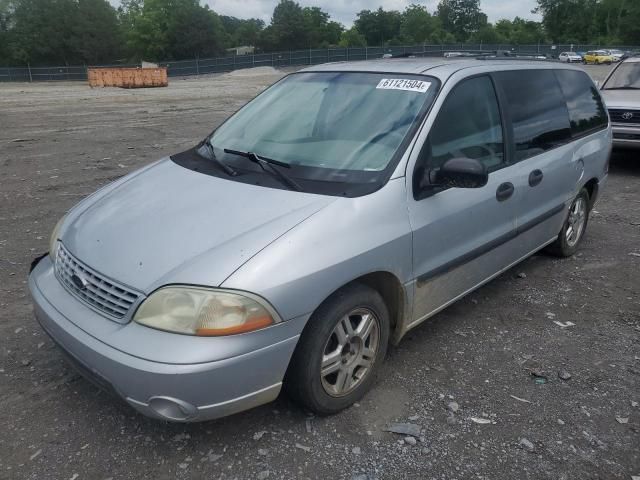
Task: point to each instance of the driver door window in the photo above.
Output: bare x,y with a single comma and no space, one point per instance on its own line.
468,125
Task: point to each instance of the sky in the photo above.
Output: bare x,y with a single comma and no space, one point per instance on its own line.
344,11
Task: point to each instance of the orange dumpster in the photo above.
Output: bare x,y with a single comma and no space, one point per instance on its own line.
128,77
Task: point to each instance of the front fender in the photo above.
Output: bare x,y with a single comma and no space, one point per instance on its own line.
350,238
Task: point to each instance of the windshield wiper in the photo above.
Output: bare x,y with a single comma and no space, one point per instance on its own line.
265,162
622,88
212,156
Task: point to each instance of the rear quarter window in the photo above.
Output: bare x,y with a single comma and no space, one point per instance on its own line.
586,109
538,111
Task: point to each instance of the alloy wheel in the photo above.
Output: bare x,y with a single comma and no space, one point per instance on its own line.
350,352
576,221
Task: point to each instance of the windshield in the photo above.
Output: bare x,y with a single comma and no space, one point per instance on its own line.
627,75
345,127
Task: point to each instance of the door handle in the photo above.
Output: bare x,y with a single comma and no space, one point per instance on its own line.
535,178
504,192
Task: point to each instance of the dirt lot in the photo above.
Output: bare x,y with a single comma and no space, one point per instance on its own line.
59,142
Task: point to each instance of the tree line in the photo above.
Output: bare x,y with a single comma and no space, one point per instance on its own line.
94,32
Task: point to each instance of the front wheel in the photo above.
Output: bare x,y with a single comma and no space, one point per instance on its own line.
340,351
574,227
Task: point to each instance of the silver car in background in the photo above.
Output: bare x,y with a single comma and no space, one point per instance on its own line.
621,92
339,209
570,57
616,54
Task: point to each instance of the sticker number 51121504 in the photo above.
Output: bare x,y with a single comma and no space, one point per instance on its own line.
404,84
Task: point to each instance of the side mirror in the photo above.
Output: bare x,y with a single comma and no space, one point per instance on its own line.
461,173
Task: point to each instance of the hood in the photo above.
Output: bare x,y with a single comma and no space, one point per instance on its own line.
170,224
622,99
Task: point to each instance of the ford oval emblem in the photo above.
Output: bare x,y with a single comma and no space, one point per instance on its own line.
79,281
627,115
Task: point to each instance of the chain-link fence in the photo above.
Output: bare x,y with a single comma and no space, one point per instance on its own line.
201,66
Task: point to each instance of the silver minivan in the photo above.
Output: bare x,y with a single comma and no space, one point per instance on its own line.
339,209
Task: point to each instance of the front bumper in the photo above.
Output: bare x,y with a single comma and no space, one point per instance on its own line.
168,391
625,136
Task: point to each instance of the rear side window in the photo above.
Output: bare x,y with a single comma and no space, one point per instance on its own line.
538,111
586,110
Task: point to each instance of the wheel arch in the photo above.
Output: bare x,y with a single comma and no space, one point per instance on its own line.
592,189
393,293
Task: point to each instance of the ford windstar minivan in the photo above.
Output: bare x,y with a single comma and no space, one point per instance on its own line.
333,213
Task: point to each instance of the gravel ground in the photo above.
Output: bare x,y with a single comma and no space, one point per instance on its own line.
474,362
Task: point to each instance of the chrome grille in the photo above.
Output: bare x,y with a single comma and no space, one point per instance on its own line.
624,116
100,293
626,136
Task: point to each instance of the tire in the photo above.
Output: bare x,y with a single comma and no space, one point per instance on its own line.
574,227
329,393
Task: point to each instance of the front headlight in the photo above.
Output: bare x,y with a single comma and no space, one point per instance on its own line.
53,241
204,312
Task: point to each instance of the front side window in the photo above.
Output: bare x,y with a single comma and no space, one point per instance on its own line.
467,126
538,111
332,130
586,109
625,77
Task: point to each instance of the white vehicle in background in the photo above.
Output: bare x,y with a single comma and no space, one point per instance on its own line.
570,57
621,92
616,54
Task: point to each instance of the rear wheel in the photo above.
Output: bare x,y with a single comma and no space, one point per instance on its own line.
340,351
574,227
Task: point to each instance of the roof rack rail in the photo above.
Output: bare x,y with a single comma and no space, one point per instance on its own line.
511,55
520,58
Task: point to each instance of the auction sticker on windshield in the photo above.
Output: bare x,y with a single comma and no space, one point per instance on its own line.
404,84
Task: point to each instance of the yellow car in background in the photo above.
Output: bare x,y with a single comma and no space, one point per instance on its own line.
598,57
